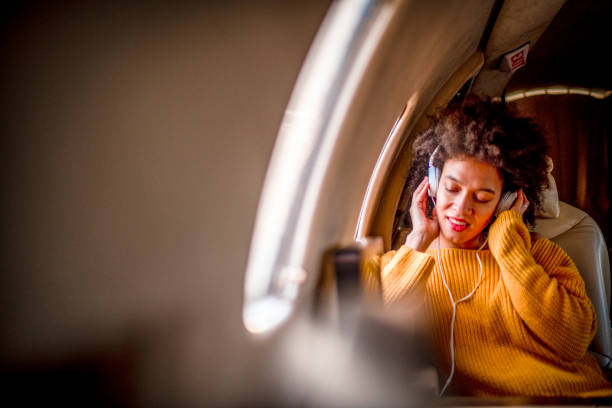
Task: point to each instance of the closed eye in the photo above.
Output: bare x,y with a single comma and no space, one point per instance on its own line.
483,200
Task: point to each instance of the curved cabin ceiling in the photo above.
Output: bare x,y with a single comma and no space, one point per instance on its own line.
517,23
568,45
572,51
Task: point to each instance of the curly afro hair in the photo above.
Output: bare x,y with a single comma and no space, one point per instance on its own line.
489,132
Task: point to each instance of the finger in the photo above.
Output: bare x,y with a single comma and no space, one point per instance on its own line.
422,187
521,204
419,201
525,201
518,203
420,194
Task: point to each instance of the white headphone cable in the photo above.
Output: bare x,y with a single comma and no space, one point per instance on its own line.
450,295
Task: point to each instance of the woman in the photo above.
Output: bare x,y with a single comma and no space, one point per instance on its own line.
508,309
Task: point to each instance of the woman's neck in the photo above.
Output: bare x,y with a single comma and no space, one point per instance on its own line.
441,242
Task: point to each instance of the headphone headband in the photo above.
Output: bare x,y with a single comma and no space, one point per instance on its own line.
434,174
432,155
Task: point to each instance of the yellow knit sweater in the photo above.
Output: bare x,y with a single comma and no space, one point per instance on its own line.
526,329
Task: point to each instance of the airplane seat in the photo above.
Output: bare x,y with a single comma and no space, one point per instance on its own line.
579,235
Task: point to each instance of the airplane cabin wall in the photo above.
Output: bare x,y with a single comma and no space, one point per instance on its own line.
577,129
136,138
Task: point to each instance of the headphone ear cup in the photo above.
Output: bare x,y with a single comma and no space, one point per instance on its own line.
433,174
505,202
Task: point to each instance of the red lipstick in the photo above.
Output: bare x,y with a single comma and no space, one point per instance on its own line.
457,224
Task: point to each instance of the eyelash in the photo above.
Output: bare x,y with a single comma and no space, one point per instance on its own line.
450,190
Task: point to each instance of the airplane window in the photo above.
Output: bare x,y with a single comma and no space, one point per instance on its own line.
382,166
304,145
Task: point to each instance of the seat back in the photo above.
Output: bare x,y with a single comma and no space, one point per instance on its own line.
578,234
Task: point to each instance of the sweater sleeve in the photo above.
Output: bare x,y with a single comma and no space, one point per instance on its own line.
403,273
545,287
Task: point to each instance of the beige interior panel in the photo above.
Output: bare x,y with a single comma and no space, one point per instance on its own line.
519,22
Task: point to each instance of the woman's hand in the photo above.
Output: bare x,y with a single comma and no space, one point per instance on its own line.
521,203
424,230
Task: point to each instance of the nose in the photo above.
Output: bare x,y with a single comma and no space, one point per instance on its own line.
463,204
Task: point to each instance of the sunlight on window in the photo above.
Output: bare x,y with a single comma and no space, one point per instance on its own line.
306,139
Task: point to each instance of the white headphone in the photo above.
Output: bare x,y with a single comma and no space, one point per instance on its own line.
505,203
434,173
455,303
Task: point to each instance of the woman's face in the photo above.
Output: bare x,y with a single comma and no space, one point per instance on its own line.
467,196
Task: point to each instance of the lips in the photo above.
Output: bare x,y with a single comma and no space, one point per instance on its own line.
457,224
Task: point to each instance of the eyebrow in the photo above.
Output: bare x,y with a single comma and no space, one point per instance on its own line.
459,182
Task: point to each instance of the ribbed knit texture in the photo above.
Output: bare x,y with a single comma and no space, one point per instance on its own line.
526,329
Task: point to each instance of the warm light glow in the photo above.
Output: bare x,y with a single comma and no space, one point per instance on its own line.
580,91
557,90
535,92
597,93
265,313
